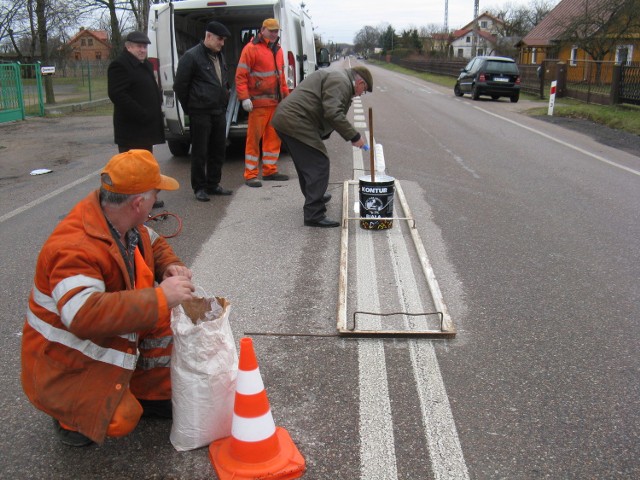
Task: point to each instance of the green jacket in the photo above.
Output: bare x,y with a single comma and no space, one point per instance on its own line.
317,107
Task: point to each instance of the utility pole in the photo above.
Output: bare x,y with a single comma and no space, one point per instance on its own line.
474,37
446,16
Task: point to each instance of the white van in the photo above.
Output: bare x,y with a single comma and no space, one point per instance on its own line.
175,27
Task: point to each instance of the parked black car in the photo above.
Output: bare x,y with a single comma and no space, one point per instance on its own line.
493,76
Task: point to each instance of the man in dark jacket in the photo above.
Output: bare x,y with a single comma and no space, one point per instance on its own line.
137,101
202,87
311,112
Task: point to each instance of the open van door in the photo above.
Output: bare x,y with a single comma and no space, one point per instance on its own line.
309,64
163,55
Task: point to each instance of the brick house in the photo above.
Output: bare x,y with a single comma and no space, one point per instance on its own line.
89,45
547,39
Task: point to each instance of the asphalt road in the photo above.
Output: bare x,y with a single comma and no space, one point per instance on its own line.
532,231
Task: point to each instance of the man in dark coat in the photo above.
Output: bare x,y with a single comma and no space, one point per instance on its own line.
311,112
202,86
137,101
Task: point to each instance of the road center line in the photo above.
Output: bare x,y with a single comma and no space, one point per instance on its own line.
377,445
445,451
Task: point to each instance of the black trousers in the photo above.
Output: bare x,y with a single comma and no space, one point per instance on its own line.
208,149
313,169
126,148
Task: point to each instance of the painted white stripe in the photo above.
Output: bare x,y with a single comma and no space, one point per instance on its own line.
445,451
249,383
441,435
253,429
359,118
46,197
561,142
90,349
360,124
377,450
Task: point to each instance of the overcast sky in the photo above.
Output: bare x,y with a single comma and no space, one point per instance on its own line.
340,20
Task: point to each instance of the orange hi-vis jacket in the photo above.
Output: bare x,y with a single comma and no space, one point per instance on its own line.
86,327
260,74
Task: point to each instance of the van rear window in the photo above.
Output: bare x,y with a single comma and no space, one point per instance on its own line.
501,67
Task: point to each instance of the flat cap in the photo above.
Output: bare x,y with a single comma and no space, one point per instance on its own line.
366,76
218,29
138,37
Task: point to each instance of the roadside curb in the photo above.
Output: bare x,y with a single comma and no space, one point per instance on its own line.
74,107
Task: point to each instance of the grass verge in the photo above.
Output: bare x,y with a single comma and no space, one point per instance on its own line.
621,117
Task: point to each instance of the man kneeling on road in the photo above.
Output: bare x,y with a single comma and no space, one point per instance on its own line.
97,340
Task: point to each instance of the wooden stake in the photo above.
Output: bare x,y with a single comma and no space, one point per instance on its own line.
371,146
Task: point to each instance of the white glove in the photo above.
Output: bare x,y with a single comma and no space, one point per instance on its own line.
247,105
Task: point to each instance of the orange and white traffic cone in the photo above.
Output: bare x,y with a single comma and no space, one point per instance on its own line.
256,448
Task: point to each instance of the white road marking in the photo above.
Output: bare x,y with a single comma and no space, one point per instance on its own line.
46,197
445,451
378,459
561,142
377,446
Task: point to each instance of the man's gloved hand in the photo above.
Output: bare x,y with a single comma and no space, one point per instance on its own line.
247,105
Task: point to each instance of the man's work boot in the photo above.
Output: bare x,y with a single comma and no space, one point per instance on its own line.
69,437
156,408
253,182
278,177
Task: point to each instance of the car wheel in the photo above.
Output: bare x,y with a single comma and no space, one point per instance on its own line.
457,90
178,148
515,98
475,94
495,97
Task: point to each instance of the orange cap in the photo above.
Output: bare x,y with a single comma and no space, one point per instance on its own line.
271,24
135,171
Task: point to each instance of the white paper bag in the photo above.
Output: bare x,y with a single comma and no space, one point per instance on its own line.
204,367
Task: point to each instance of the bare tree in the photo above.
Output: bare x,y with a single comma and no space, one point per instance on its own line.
40,8
603,25
19,25
13,23
520,19
140,11
366,39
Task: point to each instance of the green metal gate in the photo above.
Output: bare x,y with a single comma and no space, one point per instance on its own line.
20,91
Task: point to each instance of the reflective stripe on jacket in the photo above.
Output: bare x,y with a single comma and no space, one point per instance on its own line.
260,74
80,340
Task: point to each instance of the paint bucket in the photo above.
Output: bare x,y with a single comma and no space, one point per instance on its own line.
376,202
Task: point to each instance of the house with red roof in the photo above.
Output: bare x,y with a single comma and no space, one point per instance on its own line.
484,37
89,45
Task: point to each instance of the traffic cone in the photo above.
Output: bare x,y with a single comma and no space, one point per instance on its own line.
256,448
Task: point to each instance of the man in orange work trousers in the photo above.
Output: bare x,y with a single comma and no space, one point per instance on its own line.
261,85
96,344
